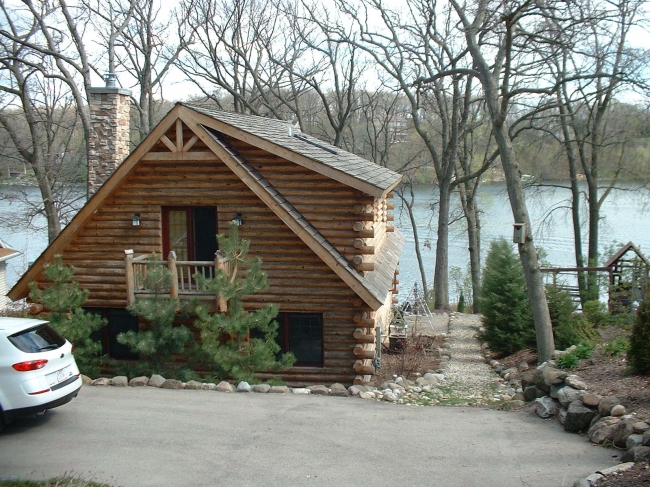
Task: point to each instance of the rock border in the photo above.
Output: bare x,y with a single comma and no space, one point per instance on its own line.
422,391
556,393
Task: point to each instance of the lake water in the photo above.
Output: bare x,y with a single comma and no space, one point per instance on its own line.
625,218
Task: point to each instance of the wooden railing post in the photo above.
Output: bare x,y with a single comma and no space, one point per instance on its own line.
130,279
222,304
173,271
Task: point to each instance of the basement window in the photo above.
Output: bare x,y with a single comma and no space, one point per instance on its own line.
302,334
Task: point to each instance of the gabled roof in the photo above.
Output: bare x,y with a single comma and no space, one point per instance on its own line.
273,137
6,253
629,246
375,282
319,156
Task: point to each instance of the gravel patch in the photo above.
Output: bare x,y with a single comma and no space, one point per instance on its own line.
469,380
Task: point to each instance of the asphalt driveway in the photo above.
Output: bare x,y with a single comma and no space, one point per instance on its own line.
137,437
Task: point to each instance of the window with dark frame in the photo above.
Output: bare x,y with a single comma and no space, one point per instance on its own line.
302,334
190,231
119,321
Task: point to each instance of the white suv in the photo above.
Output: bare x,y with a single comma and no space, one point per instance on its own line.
37,369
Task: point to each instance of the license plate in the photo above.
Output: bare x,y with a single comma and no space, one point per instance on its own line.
59,376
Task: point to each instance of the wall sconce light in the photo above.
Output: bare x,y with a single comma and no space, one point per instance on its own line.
238,220
136,219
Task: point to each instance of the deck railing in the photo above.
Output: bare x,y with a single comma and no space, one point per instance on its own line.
184,284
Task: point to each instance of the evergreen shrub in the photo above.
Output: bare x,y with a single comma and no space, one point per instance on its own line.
639,352
507,315
157,344
63,298
240,342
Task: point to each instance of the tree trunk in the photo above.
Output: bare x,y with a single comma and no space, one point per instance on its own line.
441,272
474,241
527,251
498,113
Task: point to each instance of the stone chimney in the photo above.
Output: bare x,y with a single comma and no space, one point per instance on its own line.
109,140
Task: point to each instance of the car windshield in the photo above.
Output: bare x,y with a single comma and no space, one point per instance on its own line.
37,339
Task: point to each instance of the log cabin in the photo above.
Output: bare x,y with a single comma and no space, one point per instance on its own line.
317,216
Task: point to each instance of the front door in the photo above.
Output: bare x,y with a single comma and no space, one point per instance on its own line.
191,232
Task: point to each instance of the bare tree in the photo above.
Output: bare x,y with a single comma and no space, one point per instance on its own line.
142,46
228,54
509,32
592,69
40,120
57,34
417,52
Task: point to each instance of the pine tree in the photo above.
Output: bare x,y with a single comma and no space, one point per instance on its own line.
157,344
240,342
64,298
504,301
639,351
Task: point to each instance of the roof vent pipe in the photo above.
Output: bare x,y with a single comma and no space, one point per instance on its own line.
111,80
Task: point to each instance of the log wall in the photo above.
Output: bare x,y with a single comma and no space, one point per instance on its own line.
298,280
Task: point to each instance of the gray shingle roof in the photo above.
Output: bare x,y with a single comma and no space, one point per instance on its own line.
377,282
277,132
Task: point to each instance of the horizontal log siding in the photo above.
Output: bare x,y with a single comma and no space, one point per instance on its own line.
299,281
329,205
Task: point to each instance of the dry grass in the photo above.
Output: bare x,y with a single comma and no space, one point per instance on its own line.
409,360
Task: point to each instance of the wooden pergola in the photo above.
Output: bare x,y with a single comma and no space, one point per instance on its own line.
628,272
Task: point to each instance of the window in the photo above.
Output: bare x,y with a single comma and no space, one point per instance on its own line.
302,334
119,320
37,339
191,232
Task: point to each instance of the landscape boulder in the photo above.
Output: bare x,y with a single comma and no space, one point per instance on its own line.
578,417
624,429
261,388
590,399
545,407
193,385
156,381
434,379
618,410
527,380
338,390
243,386
633,441
532,392
603,429
120,381
606,404
575,382
139,381
637,454
355,390
301,391
102,381
279,390
319,390
546,376
172,384
225,386
566,395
